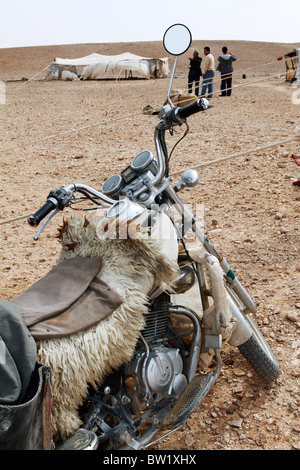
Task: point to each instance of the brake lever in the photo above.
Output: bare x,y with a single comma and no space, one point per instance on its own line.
36,236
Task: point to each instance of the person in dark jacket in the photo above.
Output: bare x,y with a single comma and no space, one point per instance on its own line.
226,69
195,73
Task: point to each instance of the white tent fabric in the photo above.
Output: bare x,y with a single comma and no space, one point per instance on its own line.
96,58
95,71
97,64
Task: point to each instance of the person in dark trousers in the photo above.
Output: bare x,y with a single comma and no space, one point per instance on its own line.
194,73
226,69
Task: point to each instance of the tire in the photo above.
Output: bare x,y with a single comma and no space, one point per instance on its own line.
259,355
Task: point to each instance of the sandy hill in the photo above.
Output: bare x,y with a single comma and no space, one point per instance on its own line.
16,63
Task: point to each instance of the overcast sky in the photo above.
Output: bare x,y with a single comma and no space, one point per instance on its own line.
51,22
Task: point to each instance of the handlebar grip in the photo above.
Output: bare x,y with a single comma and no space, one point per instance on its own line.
200,105
41,213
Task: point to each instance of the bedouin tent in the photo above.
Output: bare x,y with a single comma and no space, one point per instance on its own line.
97,65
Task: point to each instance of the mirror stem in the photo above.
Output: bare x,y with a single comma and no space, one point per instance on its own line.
171,81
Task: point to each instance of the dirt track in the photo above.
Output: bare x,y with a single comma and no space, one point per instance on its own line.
251,207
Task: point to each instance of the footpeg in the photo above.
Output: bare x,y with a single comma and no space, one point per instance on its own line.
83,439
189,400
213,341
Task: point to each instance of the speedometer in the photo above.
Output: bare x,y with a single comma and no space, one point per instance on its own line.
112,185
144,160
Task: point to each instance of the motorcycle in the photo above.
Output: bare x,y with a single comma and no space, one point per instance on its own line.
163,378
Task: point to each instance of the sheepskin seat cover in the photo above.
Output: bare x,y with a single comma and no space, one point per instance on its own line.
131,266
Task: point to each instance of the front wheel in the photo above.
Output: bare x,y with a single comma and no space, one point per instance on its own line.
259,355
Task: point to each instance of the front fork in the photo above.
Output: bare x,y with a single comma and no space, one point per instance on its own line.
240,302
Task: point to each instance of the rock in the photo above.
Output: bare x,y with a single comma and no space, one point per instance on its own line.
189,440
238,389
259,442
244,413
225,438
293,316
239,372
296,445
230,410
235,423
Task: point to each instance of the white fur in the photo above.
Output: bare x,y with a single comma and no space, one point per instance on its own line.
132,268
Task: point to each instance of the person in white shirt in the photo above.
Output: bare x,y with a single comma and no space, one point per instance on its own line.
208,72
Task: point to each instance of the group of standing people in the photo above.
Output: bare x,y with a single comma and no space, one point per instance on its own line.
206,70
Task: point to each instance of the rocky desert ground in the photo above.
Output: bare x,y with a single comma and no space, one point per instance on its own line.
59,132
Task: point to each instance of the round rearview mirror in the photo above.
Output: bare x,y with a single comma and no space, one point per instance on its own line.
177,39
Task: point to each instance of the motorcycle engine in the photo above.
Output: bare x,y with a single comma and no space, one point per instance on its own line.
156,371
164,371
